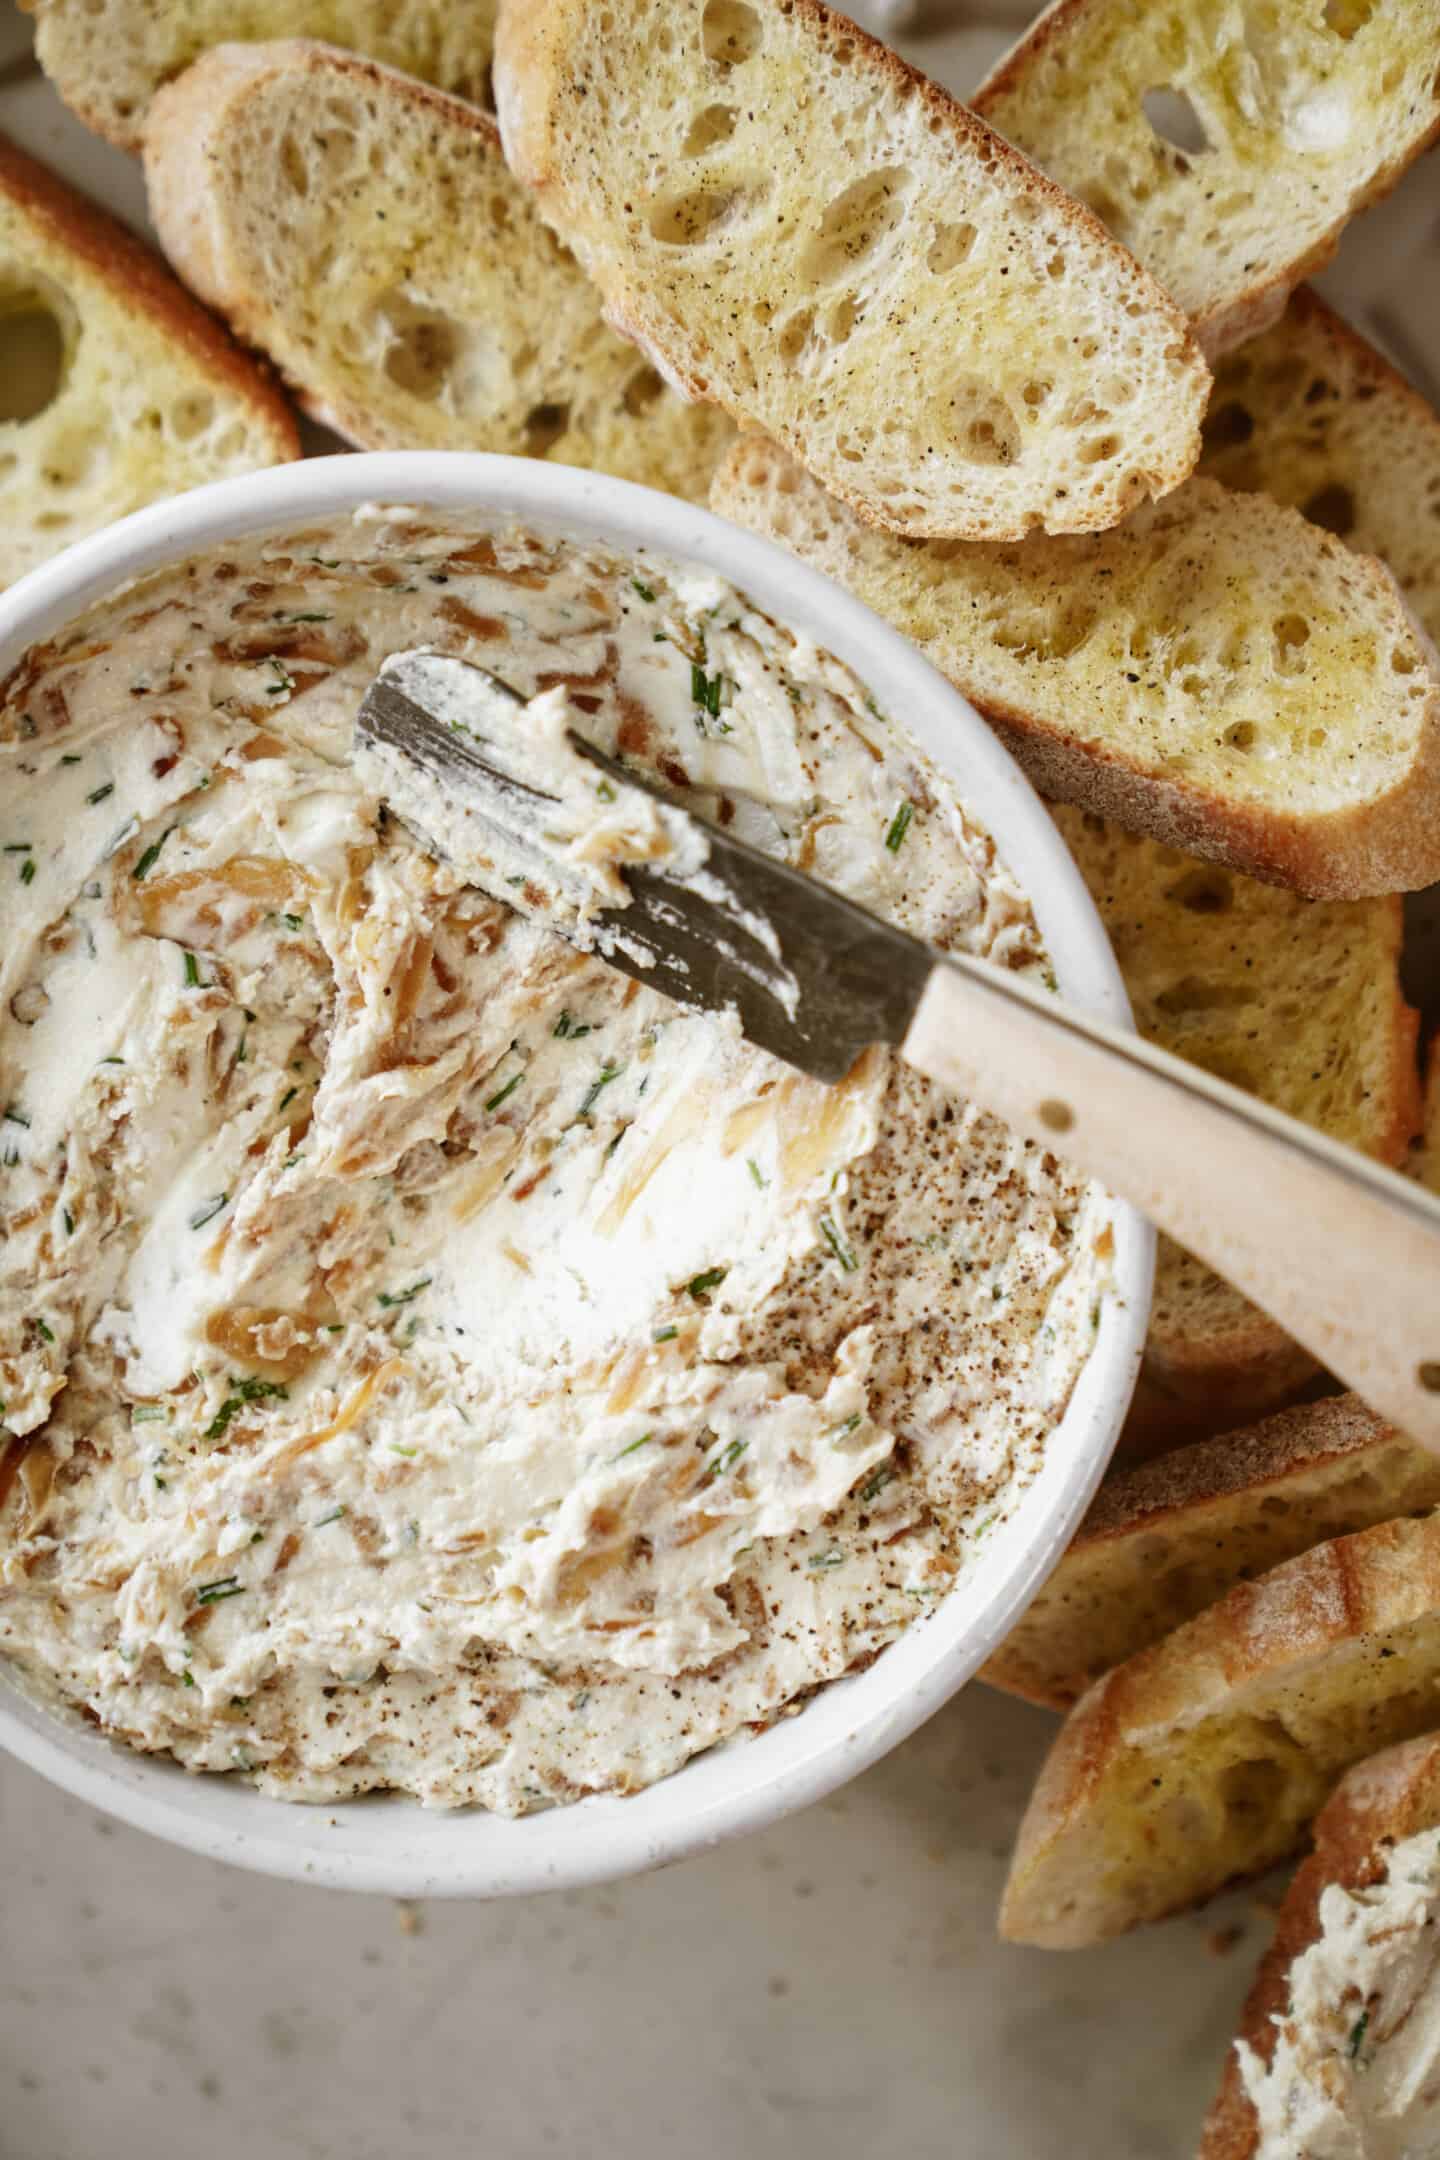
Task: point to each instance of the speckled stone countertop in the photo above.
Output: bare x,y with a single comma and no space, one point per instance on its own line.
832,1987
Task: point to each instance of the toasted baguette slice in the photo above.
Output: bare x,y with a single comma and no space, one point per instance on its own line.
796,224
1383,1803
1167,1539
1311,414
1299,1002
1243,1367
1216,672
1202,1759
363,230
118,387
107,58
1227,146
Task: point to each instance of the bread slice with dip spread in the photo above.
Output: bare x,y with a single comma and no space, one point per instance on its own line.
797,225
1168,1538
363,230
1217,672
115,386
1202,1759
1338,2049
107,58
1226,145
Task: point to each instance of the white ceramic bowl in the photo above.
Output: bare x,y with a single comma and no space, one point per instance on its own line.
392,1845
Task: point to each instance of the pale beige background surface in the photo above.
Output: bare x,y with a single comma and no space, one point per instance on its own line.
831,1990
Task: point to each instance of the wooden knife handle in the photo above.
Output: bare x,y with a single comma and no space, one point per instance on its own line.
1345,1255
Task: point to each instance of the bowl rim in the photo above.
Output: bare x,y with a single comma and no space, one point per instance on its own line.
389,1845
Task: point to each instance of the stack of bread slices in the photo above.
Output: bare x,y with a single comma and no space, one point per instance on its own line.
1040,381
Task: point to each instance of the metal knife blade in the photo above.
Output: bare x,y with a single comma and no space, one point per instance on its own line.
829,980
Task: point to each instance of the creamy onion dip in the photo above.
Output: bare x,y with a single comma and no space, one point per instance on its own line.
431,1360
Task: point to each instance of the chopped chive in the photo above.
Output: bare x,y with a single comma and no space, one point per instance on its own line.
215,1593
756,1172
248,1390
288,1097
592,1093
700,1286
604,792
98,795
19,847
112,1060
69,1221
308,618
503,1094
151,855
14,1115
403,1297
27,871
830,1558
899,826
71,757
208,1210
396,1449
644,591
192,973
187,1679
841,1250
1357,2034
665,1334
875,1483
147,1413
569,1029
334,1516
293,922
706,690
725,1460
43,1330
643,1441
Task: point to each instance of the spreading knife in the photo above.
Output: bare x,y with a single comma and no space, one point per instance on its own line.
1343,1254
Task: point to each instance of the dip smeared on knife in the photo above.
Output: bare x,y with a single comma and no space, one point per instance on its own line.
430,1359
523,806
569,830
